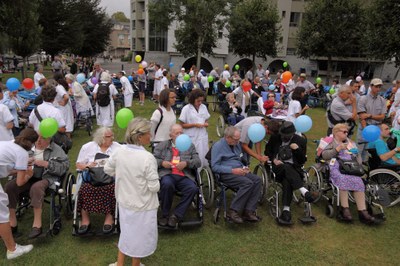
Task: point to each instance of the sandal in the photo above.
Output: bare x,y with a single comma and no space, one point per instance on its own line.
83,229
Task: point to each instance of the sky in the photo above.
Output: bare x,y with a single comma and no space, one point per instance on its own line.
113,6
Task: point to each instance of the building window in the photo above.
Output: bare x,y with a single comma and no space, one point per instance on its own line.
133,24
283,14
280,39
220,34
157,38
294,19
133,44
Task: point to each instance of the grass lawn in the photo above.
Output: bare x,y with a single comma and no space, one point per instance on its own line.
326,242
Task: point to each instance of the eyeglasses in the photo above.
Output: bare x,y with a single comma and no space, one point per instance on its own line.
112,136
344,131
235,139
271,96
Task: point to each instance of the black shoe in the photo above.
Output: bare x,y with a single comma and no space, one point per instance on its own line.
35,232
250,216
309,197
163,221
15,232
344,215
172,221
108,228
83,229
285,218
366,218
234,216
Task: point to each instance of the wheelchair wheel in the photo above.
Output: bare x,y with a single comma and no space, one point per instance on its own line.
89,126
56,227
216,216
329,211
274,199
68,196
260,171
220,126
214,102
207,186
388,181
314,182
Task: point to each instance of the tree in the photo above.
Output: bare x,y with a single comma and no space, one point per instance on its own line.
198,23
120,16
383,31
254,29
331,29
19,21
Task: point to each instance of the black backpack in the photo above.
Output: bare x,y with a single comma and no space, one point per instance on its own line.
103,94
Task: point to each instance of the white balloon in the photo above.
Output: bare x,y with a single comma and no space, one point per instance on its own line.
144,64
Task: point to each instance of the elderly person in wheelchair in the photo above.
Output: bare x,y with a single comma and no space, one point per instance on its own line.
50,163
96,199
343,148
287,152
177,171
227,161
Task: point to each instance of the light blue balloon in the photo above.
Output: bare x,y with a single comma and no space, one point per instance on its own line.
183,142
171,64
371,133
271,87
13,84
256,132
303,123
81,78
130,78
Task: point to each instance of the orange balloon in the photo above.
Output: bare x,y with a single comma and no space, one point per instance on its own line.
140,71
246,86
286,76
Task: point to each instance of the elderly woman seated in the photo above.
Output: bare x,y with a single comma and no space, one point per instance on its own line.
96,199
231,110
344,148
177,172
50,163
386,155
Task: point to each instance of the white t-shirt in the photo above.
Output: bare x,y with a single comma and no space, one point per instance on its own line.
157,83
5,117
294,108
38,76
126,85
46,110
204,81
244,125
169,119
12,157
190,115
226,75
90,149
164,83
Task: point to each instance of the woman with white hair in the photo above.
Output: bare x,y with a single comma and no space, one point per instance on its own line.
136,187
105,108
63,103
80,97
96,199
38,75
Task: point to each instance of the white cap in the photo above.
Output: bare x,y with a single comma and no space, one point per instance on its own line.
358,78
182,69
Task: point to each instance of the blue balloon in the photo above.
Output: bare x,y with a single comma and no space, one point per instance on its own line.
171,64
303,123
183,142
13,84
130,78
272,87
80,78
371,133
256,132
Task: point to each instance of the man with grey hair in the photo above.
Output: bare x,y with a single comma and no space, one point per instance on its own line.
343,109
97,70
227,160
38,75
177,171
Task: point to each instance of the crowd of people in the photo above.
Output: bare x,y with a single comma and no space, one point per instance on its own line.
36,161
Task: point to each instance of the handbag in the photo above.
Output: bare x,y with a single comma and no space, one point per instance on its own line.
285,153
350,167
96,175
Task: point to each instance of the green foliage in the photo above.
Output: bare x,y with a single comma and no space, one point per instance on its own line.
254,29
331,28
19,22
120,16
383,36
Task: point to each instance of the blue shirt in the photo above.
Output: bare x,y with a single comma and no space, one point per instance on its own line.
224,157
381,148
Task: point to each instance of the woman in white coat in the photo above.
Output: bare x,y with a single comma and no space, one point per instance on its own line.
105,114
81,99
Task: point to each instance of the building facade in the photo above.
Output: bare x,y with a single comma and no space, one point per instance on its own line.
158,46
120,40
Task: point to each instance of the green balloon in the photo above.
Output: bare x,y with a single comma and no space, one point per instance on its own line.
228,84
332,90
318,80
186,77
237,67
285,64
48,127
210,78
124,116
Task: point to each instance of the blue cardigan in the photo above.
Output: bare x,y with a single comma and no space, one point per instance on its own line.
223,159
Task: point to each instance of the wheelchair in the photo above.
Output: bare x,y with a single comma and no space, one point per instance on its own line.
376,197
201,200
84,119
74,186
56,198
275,200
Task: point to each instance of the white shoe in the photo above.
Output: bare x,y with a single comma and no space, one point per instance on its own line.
115,264
19,250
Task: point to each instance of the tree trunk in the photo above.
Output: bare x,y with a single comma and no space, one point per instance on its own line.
397,73
199,45
253,66
329,70
23,68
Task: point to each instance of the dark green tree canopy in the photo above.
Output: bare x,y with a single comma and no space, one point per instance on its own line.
120,16
383,33
254,29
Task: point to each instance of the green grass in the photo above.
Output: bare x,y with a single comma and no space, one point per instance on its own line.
325,243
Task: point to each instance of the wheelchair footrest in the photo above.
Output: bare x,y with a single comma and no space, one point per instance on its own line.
308,219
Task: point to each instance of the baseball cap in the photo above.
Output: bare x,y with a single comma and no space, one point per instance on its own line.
303,75
376,82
